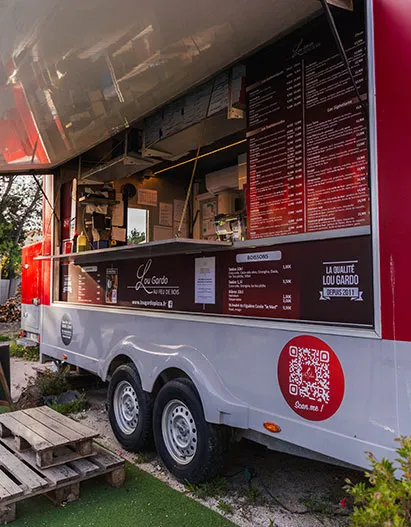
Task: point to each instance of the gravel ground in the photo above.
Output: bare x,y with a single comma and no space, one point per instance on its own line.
284,490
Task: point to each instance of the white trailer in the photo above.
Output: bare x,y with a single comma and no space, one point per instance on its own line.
296,335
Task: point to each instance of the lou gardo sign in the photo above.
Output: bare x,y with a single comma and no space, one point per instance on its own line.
153,289
341,280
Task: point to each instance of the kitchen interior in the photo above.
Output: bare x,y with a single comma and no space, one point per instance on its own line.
174,175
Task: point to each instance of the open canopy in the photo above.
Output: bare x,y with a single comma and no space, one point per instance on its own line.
74,73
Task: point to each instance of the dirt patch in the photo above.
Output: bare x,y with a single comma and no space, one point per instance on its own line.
21,371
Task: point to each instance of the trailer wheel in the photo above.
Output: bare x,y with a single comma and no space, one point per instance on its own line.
129,409
191,448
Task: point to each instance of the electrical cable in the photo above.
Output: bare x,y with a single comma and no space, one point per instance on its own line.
190,186
191,160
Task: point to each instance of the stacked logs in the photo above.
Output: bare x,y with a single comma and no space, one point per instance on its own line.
10,311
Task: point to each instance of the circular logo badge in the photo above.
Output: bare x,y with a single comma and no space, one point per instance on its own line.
311,378
66,329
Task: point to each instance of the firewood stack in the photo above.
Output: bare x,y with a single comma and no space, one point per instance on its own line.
10,311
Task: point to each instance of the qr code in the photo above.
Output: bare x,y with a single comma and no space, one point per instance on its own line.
310,373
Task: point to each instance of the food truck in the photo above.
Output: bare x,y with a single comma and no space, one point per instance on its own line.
227,190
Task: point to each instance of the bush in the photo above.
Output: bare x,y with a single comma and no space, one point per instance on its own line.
384,501
52,383
31,353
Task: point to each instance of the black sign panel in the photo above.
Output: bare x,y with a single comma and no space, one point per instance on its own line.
318,281
307,140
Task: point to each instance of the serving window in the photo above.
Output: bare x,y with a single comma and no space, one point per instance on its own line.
277,198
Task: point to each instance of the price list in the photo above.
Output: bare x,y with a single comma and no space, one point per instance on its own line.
307,141
261,287
89,287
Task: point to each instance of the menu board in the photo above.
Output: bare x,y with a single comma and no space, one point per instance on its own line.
307,139
319,281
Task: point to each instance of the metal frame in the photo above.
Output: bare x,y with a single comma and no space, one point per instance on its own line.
373,166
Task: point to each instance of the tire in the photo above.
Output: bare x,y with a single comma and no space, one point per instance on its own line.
189,447
130,409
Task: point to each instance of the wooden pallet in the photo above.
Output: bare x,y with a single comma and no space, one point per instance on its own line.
54,438
20,478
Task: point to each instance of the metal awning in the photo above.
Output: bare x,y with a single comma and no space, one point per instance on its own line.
75,73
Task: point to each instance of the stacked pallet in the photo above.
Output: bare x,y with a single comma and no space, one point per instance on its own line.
44,452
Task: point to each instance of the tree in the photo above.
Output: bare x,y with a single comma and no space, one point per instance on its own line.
20,214
136,237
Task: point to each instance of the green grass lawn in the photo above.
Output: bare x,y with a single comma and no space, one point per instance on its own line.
143,501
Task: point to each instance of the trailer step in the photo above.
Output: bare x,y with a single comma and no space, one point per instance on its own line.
21,478
54,438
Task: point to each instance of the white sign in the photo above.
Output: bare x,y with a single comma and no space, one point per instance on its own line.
147,197
178,209
89,269
165,214
269,256
204,280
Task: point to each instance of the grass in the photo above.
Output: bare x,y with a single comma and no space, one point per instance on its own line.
73,407
252,495
143,501
211,489
315,504
4,338
31,353
225,507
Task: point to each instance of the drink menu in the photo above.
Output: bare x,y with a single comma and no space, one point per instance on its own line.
307,139
321,281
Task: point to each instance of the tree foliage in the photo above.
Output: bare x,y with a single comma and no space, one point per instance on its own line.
20,214
136,237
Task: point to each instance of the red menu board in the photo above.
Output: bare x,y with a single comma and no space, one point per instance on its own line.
321,281
307,140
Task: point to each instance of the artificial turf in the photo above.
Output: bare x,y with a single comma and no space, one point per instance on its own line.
143,501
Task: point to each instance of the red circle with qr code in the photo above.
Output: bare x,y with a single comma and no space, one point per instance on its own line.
311,378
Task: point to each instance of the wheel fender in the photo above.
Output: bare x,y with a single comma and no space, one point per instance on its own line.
220,405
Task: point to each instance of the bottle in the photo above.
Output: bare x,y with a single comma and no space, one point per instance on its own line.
81,243
74,248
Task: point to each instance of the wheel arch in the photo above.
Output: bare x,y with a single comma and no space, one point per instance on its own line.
157,365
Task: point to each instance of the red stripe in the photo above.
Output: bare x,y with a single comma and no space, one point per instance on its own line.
392,28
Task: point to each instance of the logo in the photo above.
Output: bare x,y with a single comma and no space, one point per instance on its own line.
301,49
311,378
66,329
149,284
158,287
341,280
